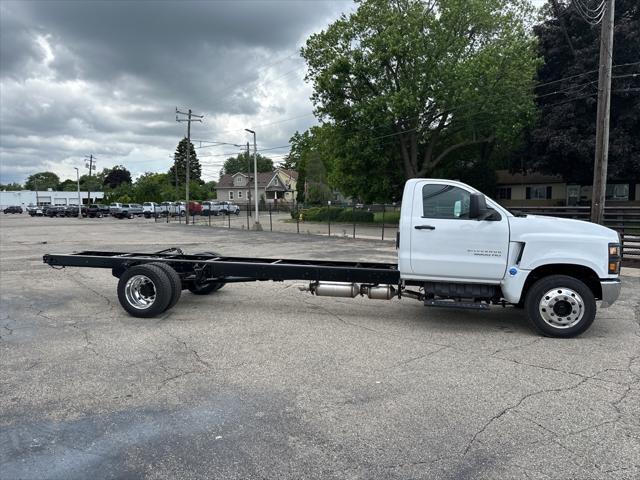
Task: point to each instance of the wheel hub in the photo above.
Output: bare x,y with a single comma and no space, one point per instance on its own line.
561,307
140,292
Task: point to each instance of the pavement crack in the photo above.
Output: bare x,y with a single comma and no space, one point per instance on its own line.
513,407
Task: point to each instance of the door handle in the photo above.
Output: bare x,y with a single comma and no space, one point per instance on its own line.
424,227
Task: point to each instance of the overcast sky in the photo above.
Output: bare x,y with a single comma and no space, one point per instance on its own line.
104,78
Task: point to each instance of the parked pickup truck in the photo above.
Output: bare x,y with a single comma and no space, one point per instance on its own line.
225,208
125,210
150,209
97,210
456,248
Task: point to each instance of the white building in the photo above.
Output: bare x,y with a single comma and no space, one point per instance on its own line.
23,198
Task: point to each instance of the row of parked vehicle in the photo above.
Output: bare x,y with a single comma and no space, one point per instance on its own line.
195,208
130,210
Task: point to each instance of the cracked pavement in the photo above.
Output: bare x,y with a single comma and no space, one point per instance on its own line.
263,381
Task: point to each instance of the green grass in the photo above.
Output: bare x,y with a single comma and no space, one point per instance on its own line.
389,217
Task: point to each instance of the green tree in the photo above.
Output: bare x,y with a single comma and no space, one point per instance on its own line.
409,86
240,163
153,187
563,140
90,183
42,181
11,187
116,176
68,185
180,162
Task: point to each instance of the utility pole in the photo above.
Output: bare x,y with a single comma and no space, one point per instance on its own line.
256,225
602,121
89,165
191,117
79,199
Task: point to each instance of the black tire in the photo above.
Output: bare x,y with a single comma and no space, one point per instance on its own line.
160,284
205,288
567,303
174,279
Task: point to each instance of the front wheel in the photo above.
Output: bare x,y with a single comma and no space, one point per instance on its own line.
560,306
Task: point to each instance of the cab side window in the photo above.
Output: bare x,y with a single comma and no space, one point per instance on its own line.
445,201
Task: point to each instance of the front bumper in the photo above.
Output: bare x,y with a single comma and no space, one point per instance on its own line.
610,291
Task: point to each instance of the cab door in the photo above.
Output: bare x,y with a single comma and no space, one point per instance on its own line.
447,245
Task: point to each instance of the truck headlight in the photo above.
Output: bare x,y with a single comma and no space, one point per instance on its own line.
614,258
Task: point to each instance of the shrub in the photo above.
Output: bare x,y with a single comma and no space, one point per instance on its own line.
349,215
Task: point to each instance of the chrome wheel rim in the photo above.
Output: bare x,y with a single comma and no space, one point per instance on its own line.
140,292
561,307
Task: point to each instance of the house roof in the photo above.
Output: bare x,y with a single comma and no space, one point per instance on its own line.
264,178
504,177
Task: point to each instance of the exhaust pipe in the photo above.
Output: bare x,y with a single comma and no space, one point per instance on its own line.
351,290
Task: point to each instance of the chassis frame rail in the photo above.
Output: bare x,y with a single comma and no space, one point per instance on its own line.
206,267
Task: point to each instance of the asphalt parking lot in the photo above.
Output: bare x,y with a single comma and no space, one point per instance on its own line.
264,381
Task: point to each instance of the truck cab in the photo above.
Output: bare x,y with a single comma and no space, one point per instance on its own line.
463,248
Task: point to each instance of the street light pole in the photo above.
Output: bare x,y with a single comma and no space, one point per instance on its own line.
79,199
256,225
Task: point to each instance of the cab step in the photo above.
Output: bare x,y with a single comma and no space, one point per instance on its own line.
455,304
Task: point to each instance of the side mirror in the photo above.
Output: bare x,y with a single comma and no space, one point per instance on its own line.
477,206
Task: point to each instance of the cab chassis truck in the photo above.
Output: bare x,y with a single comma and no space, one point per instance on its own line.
456,248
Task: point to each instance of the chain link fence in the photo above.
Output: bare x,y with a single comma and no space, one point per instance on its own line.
376,221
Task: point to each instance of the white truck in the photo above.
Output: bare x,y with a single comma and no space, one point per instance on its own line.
456,248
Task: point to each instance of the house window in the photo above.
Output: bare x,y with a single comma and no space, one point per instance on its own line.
275,181
504,193
617,192
238,181
239,193
539,192
445,201
230,195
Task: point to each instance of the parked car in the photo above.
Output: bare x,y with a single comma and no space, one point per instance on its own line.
55,211
180,208
195,208
72,211
227,208
149,209
35,210
96,210
13,209
125,210
31,208
165,208
207,207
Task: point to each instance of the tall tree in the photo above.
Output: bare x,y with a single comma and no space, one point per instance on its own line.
180,161
42,181
240,163
116,176
68,185
410,85
563,140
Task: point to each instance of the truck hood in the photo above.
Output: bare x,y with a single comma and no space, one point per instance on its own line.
523,228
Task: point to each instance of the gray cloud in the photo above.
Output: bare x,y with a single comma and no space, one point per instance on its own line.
104,78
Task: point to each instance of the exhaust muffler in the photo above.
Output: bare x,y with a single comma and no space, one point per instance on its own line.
351,290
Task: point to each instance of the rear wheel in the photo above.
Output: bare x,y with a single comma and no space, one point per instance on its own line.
174,279
144,291
560,306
